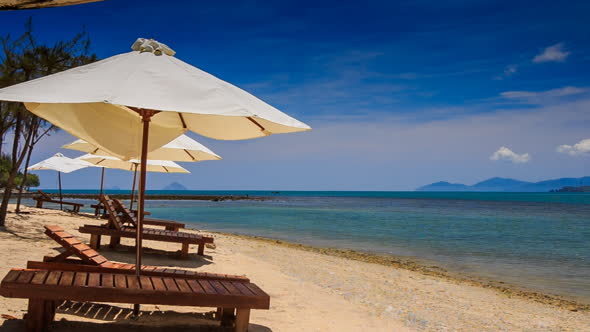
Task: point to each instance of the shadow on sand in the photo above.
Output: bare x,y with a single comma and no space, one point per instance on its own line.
120,319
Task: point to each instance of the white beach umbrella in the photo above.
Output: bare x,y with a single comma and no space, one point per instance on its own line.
133,103
182,148
62,164
162,166
103,102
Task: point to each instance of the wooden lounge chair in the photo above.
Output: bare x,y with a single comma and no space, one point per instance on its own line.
116,230
91,261
44,197
100,211
46,289
130,217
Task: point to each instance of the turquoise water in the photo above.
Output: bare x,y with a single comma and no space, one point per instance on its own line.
538,241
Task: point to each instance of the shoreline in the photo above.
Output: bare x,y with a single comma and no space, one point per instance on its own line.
214,198
414,265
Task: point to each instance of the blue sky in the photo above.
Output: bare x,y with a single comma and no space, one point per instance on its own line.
399,94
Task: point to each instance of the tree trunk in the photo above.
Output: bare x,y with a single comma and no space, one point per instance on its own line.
16,162
25,172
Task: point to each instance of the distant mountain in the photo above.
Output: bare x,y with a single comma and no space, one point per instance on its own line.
175,186
444,186
505,184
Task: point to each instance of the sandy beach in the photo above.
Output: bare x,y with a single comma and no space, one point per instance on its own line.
310,290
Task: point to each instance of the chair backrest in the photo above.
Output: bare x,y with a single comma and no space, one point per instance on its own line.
73,245
109,206
44,195
125,212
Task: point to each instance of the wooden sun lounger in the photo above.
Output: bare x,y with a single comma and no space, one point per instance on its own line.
130,216
46,289
44,197
99,210
116,230
91,261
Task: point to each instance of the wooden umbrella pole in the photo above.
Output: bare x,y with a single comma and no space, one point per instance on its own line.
101,180
133,188
61,207
145,118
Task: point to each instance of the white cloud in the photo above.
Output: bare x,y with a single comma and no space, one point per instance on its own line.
580,148
541,97
508,71
505,153
553,53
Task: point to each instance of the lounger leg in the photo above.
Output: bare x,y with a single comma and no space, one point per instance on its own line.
95,241
38,318
226,316
201,249
242,320
115,241
184,250
39,204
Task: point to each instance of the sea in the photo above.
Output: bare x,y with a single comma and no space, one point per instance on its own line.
535,241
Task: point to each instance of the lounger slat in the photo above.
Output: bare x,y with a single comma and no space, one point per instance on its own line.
146,283
242,288
218,287
231,288
207,287
80,279
158,284
183,285
39,278
107,280
170,284
120,281
255,289
54,228
11,276
133,282
67,278
195,286
53,278
94,279
63,234
25,277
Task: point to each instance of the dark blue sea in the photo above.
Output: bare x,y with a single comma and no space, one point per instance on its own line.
539,241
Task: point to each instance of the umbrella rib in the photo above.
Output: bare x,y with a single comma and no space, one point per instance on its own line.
189,154
164,167
256,123
103,159
182,120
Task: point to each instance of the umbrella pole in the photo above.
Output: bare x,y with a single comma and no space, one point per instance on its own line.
133,189
60,195
101,180
145,118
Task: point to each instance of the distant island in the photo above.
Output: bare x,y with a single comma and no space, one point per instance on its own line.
580,189
175,186
509,185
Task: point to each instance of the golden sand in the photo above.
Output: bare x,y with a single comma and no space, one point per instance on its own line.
311,289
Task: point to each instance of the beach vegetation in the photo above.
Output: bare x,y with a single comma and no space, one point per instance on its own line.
24,58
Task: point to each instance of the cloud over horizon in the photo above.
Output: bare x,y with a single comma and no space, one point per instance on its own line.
504,153
578,149
553,53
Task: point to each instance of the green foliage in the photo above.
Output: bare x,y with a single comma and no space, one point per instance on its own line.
5,165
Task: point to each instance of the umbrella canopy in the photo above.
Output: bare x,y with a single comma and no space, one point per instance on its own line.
134,103
59,162
182,148
162,166
102,102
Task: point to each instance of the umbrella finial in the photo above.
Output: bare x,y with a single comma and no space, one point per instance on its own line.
152,46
